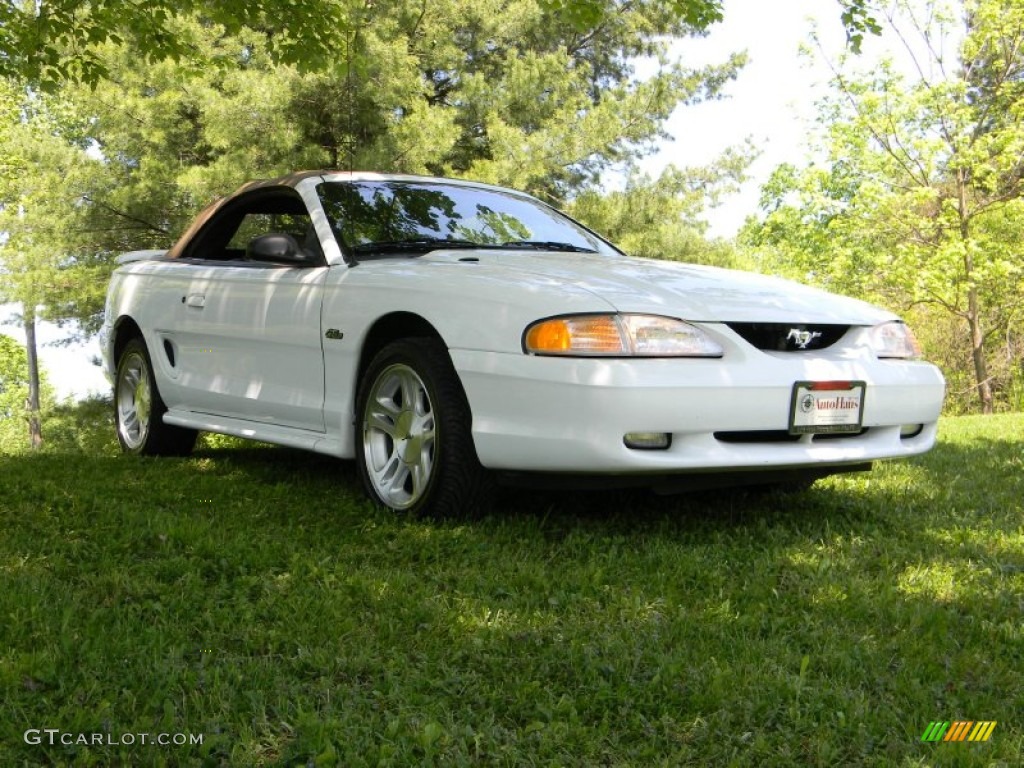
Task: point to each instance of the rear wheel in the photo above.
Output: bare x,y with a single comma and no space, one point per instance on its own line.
139,409
415,449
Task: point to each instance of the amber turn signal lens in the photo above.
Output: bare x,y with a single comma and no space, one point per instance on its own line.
549,336
586,334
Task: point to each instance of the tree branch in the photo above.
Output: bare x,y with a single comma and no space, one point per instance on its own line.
126,216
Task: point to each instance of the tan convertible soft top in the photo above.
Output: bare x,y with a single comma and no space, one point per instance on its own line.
291,180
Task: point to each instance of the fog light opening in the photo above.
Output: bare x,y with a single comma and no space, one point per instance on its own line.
647,441
908,431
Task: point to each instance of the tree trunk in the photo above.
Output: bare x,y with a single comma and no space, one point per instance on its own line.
973,305
978,351
35,431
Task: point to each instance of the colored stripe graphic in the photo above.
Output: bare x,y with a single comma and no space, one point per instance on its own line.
982,731
935,730
959,730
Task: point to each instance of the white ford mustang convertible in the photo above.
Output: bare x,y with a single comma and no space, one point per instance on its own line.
446,334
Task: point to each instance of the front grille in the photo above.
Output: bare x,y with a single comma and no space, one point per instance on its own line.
779,436
757,436
789,337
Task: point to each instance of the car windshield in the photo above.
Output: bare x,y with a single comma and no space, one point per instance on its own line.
376,218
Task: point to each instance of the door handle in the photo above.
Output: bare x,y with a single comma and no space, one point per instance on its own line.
196,300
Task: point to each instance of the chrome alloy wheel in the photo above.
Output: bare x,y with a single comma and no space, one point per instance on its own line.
399,436
134,400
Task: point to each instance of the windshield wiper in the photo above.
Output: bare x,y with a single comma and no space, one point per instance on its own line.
426,244
420,244
547,245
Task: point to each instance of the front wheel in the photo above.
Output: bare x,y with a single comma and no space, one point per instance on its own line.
139,409
415,449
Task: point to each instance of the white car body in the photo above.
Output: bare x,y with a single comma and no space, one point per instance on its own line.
256,353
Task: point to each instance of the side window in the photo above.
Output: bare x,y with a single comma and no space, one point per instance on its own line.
253,225
228,230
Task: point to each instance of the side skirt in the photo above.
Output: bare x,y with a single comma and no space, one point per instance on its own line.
252,430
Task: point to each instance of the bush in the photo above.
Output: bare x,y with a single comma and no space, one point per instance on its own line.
86,427
946,344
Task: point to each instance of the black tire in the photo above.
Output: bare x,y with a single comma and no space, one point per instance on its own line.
414,446
139,409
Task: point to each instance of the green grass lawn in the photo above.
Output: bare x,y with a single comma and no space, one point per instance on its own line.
252,596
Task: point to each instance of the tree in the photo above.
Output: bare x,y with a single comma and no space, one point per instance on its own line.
504,91
920,200
501,91
49,42
661,218
42,182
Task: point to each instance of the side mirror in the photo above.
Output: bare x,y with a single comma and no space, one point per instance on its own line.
278,248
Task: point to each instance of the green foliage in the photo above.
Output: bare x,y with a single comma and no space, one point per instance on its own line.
13,393
919,202
858,20
498,91
46,177
252,596
14,436
50,42
585,14
510,96
85,426
660,218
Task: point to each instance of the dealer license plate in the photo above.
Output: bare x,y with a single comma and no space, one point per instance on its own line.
826,406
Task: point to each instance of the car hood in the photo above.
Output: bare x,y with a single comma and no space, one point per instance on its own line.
691,292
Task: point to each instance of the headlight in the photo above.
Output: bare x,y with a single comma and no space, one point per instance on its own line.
618,336
895,340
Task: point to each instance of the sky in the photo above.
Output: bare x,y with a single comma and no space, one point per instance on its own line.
772,102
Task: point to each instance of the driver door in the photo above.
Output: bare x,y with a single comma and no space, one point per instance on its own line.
250,343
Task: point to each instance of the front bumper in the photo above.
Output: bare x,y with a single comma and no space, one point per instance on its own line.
548,414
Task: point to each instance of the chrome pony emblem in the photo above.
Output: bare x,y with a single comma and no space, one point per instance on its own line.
801,338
